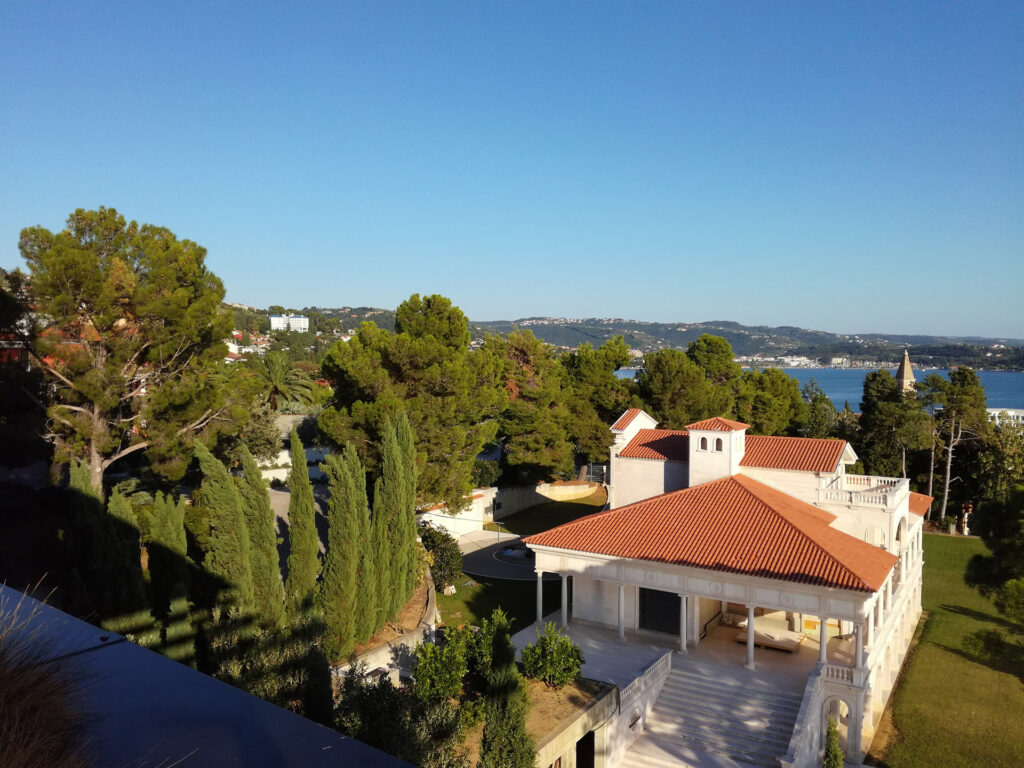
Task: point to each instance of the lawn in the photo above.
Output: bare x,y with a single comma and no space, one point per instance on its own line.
471,604
543,517
950,710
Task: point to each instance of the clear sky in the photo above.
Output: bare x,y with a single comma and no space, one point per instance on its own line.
844,166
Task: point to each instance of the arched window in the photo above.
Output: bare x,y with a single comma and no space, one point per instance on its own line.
718,444
703,443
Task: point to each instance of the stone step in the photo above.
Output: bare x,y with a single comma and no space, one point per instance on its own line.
725,685
723,734
650,753
725,707
735,749
776,733
743,702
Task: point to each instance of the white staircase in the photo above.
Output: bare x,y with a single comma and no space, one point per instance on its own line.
704,719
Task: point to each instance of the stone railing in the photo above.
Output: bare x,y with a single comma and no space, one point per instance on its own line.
866,491
805,743
900,596
657,669
840,673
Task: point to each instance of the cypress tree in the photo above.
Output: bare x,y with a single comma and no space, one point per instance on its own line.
178,637
506,744
168,559
128,590
367,587
266,569
407,510
228,554
338,588
389,553
304,544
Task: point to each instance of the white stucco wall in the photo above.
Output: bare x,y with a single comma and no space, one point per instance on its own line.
803,485
598,601
636,479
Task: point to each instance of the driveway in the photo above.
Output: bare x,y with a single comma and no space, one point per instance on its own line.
479,558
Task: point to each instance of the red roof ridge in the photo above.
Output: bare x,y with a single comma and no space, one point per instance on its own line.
708,533
718,424
626,418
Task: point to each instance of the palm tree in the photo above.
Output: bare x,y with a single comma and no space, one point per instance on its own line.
282,380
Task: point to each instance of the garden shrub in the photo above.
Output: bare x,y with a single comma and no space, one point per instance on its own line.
445,550
555,658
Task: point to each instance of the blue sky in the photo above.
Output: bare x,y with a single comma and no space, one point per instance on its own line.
843,166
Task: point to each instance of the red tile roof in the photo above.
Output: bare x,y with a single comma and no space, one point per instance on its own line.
806,454
735,525
919,503
718,424
661,444
624,420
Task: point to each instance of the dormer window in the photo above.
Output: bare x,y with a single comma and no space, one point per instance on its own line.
718,444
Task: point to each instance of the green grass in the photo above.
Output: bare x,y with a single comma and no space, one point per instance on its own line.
949,709
470,605
543,517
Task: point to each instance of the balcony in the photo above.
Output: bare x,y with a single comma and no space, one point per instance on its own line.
866,491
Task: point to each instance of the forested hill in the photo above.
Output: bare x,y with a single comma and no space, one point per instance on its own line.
933,351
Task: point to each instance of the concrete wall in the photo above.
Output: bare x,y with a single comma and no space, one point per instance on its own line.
560,744
490,504
803,485
598,601
636,699
636,479
314,456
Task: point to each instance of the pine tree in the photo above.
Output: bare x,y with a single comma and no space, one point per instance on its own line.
506,744
407,509
367,590
304,544
227,557
266,569
338,589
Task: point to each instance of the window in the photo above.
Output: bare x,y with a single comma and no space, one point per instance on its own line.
718,444
703,443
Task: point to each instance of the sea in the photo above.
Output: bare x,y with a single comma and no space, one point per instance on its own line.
1003,389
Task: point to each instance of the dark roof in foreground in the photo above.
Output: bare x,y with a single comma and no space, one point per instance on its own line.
147,710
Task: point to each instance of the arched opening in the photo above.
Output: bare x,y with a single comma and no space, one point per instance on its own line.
876,536
901,534
839,711
703,443
718,444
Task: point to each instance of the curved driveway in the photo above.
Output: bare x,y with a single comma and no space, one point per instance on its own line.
479,550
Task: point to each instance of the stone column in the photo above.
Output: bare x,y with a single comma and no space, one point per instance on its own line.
870,640
682,623
622,613
858,631
565,600
750,637
822,639
888,594
540,596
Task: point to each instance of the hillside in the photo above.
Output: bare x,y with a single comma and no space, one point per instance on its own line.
767,341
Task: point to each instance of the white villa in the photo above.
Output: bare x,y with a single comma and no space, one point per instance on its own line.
784,590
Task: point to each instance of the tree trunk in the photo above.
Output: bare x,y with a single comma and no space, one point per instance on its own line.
931,476
95,457
903,460
954,438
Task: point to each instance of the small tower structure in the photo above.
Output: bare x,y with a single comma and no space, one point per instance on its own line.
905,374
717,446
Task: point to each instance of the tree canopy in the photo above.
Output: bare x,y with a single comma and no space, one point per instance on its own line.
426,369
129,331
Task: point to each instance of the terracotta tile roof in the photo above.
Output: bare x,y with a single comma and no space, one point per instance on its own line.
806,454
736,525
919,503
661,444
624,420
718,424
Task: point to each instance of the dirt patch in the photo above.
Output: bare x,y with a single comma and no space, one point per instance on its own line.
407,620
549,708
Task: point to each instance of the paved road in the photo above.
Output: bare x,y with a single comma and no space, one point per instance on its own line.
478,558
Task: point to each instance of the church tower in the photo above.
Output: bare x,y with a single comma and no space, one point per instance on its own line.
905,374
